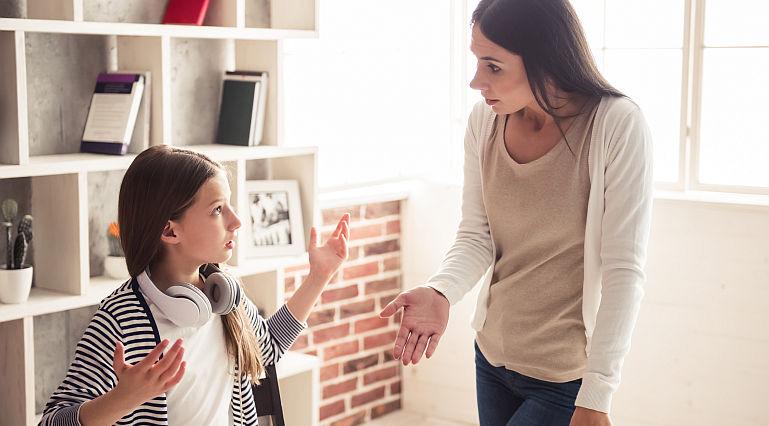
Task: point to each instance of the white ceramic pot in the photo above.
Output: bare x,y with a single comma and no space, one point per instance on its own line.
115,267
15,284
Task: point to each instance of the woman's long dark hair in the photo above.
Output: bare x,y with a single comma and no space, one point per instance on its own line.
160,185
550,40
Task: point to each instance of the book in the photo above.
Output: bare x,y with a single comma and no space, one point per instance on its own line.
140,140
112,113
242,108
185,12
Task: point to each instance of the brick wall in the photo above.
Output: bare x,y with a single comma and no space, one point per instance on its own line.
359,380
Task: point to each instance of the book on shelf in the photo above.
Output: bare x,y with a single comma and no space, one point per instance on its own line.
185,12
113,113
242,108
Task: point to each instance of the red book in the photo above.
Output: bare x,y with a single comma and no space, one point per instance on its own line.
189,12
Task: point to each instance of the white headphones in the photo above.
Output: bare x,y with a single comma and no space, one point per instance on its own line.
186,306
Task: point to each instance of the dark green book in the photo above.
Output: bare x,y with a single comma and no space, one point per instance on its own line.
237,113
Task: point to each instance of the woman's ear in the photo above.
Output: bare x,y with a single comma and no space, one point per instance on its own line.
170,233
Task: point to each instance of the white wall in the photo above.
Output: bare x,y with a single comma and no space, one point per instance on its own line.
700,352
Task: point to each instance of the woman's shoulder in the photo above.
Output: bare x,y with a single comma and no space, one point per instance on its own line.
615,109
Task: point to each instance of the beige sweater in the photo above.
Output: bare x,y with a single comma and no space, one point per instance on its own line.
537,213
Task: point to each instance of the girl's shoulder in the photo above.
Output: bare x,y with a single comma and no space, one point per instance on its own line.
126,295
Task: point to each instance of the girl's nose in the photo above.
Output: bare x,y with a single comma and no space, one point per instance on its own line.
235,224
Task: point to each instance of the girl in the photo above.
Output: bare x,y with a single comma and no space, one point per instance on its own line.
555,216
176,227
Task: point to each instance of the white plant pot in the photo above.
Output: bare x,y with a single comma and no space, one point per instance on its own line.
15,284
115,267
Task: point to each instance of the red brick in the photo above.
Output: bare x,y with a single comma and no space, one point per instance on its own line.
339,294
378,340
330,333
389,208
290,284
352,272
332,409
366,397
383,247
341,349
395,388
382,285
393,227
321,316
354,420
387,356
328,372
313,352
392,263
357,308
360,363
354,253
300,343
330,391
297,268
332,216
370,324
379,375
381,410
366,231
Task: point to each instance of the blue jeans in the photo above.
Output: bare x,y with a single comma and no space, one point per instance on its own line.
507,398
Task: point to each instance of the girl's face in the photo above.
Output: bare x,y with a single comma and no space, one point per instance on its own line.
500,76
206,231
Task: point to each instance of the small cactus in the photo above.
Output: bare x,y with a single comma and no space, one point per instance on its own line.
17,248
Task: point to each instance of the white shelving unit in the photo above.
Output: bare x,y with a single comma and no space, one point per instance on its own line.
58,176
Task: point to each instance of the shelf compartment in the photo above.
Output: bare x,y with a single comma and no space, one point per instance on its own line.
103,191
17,371
13,99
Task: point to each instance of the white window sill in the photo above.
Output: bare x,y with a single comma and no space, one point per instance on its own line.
719,198
366,194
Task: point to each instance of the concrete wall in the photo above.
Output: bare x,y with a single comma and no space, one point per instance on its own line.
700,351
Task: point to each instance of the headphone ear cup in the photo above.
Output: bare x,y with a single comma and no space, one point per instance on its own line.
223,292
191,293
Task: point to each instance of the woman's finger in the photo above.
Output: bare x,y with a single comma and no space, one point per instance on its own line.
153,356
434,339
408,351
419,349
400,342
393,306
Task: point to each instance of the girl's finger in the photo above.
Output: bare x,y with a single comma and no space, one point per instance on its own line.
313,237
153,356
118,359
169,357
342,252
177,377
169,370
338,229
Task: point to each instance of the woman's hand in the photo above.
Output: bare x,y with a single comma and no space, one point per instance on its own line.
586,417
149,377
325,260
425,316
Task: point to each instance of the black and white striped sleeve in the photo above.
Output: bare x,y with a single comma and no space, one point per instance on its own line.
276,334
90,374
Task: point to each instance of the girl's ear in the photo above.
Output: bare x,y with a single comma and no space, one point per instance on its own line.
170,233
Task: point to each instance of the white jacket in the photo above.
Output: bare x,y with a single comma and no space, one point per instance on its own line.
616,236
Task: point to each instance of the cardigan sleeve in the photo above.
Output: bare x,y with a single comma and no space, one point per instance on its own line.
276,334
470,255
625,227
89,375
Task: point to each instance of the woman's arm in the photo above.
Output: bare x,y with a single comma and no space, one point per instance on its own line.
628,191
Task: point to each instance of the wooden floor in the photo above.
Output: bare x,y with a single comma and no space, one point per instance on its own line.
400,418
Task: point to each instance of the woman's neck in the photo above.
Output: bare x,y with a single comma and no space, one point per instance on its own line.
171,271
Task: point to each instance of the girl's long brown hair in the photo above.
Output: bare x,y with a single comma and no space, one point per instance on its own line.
160,185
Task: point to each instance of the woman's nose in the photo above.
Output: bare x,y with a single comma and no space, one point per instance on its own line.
475,83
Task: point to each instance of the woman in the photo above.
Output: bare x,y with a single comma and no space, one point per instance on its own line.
555,212
176,226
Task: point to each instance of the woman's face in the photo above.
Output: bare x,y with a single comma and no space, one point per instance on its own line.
500,76
207,228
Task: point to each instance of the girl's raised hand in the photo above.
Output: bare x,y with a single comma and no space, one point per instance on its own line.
325,260
148,378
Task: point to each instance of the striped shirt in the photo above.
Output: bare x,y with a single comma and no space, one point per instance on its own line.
124,315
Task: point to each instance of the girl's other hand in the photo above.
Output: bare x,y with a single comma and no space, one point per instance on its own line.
325,260
148,378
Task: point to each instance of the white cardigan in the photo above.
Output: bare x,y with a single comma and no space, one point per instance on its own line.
616,236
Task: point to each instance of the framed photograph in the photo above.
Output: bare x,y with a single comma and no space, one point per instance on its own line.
273,224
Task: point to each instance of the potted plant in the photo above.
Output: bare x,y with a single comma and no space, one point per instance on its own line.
114,264
15,274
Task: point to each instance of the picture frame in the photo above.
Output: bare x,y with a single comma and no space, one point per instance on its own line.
272,223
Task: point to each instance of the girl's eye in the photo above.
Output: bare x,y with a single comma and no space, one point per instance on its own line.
493,68
218,210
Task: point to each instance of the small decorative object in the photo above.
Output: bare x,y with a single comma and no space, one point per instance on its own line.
274,225
15,274
115,264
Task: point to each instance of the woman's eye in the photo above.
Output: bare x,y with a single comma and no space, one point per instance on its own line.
493,68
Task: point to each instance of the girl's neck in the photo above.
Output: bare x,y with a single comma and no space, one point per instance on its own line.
169,272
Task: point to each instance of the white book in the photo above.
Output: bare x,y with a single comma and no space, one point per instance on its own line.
112,113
